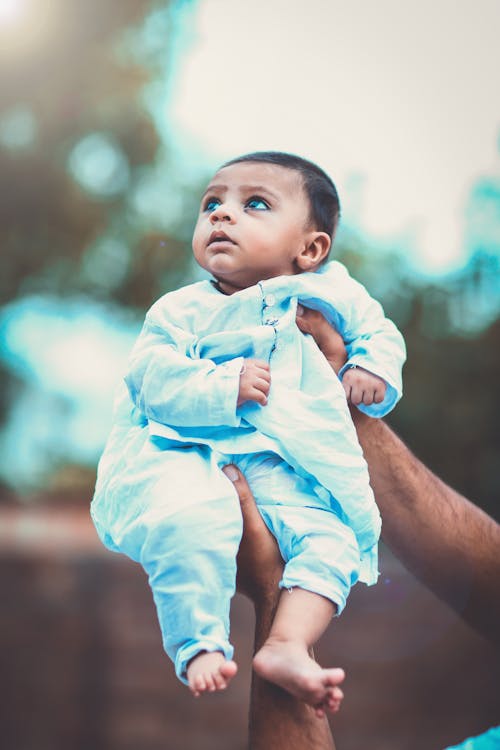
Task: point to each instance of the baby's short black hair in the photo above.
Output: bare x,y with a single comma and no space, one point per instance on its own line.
322,193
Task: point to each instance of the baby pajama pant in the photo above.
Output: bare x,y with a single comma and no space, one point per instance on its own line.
187,533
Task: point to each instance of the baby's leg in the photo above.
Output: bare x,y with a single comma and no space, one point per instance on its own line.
322,562
301,619
186,538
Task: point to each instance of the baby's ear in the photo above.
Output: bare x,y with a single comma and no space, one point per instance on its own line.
314,251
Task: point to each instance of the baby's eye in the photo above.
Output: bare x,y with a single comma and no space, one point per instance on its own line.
211,204
258,204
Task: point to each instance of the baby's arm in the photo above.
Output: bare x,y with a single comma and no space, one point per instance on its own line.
375,346
170,385
360,385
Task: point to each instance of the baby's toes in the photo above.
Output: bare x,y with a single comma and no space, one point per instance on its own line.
228,670
209,682
334,701
337,694
334,708
219,681
198,685
319,711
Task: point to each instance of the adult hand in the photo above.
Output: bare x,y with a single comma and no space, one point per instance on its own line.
277,718
329,340
259,561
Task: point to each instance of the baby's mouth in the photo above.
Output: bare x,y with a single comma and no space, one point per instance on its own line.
219,237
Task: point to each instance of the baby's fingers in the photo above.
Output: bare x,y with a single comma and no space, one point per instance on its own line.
263,385
357,394
256,369
347,388
256,365
263,374
374,394
368,396
353,391
258,396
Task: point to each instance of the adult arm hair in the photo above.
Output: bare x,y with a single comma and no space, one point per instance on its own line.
447,542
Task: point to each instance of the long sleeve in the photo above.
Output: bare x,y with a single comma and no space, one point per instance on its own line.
374,342
371,339
170,384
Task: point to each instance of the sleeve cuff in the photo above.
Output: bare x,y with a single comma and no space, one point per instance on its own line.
226,393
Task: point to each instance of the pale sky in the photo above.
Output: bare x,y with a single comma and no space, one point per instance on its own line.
397,100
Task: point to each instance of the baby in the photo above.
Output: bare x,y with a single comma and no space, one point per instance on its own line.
221,374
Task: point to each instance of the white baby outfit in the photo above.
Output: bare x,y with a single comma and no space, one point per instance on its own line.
161,497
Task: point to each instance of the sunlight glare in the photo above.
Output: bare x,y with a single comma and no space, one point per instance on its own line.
27,27
11,11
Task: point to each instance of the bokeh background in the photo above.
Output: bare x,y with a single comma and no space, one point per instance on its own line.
113,115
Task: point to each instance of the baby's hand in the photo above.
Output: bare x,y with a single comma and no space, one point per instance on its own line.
255,381
363,387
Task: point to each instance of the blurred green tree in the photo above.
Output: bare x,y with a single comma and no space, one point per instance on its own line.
76,90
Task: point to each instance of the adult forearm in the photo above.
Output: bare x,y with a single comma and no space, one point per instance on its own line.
277,719
443,539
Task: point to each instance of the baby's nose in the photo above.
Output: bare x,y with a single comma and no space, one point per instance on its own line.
221,213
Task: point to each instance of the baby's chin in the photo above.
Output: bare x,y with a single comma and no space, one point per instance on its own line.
223,265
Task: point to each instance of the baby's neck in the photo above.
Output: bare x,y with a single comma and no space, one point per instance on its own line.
225,287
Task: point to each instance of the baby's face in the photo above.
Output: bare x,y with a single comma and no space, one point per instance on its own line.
253,224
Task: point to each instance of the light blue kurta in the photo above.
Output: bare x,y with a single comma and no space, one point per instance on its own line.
490,740
176,423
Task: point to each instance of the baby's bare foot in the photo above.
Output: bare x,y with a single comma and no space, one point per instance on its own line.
210,671
288,665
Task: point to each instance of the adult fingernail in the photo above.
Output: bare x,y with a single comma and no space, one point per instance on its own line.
231,473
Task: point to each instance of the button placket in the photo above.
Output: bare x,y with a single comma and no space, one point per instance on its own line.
268,301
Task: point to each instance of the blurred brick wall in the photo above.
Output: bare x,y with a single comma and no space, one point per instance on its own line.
80,651
83,669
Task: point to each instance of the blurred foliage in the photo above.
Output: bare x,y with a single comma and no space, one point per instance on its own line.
450,410
86,75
